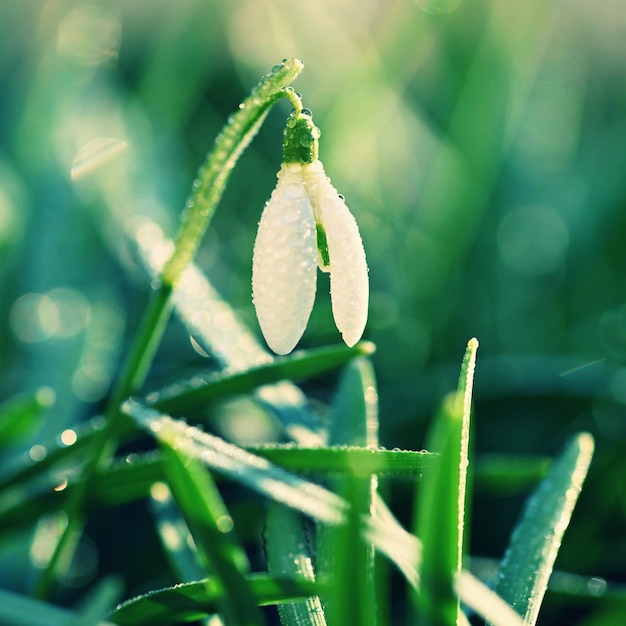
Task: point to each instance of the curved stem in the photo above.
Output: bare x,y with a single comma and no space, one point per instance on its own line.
207,191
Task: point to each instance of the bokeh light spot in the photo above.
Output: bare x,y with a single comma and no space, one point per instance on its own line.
68,437
34,318
89,35
37,453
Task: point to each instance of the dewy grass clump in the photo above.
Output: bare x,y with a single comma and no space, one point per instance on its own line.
305,225
325,572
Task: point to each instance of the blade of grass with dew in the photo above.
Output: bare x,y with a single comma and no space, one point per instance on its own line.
212,529
355,460
235,462
192,601
345,556
309,498
189,395
440,503
529,558
21,414
405,551
34,491
287,554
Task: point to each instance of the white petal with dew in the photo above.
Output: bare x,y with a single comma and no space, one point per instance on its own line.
349,283
283,265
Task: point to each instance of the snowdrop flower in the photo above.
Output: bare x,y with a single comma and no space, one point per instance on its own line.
305,225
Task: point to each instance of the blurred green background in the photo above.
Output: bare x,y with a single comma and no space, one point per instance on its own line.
481,147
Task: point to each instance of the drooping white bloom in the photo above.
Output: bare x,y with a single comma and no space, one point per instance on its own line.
305,225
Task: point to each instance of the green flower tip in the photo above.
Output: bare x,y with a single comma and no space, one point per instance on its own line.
301,144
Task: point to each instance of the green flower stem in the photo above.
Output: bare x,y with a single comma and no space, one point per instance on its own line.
207,191
232,141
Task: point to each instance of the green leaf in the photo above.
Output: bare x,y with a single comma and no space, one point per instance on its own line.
190,395
286,552
341,459
529,559
440,514
345,556
175,536
236,463
191,601
212,529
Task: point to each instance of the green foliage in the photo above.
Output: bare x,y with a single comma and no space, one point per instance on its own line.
167,461
440,515
528,562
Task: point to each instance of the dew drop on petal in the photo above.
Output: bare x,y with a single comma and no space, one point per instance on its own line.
283,269
349,282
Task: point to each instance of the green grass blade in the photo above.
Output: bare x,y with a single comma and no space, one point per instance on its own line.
187,396
401,547
345,556
440,514
212,529
354,421
235,462
529,559
191,601
355,460
132,478
285,542
175,537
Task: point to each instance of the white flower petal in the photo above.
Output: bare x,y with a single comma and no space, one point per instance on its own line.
284,268
349,283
